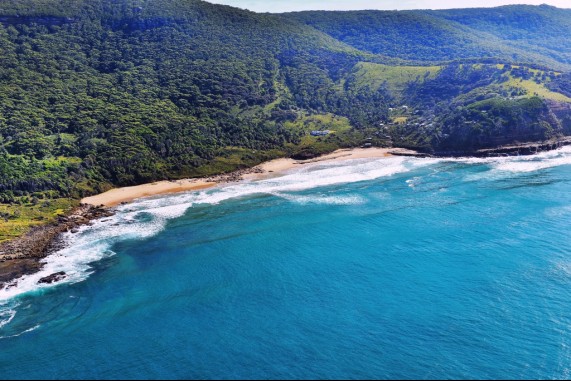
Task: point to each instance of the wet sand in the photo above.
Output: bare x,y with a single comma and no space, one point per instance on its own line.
272,168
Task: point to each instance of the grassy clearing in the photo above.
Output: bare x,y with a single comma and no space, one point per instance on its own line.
338,126
400,120
306,124
396,78
342,134
16,220
533,88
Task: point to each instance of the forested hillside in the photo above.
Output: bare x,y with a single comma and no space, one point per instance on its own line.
519,33
542,29
103,93
141,98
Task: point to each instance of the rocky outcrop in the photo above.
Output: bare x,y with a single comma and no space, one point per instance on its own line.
14,269
54,278
524,149
306,154
22,255
407,153
234,176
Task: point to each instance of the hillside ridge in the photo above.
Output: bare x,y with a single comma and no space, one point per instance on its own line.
106,93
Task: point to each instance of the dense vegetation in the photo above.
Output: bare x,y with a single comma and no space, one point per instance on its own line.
543,29
133,99
103,93
527,34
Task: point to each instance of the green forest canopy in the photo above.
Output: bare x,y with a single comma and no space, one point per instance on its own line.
102,93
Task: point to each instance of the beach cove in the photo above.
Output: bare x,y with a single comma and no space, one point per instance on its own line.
24,255
272,168
356,266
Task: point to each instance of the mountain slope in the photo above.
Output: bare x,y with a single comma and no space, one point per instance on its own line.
130,82
103,93
542,29
436,36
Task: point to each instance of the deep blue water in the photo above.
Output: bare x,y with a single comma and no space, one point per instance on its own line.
392,268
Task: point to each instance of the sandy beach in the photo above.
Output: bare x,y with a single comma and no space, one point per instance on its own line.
117,196
277,166
272,168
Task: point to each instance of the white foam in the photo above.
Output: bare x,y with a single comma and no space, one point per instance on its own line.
414,182
307,177
324,200
524,164
147,217
6,316
21,333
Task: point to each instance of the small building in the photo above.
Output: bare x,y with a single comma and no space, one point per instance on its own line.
320,133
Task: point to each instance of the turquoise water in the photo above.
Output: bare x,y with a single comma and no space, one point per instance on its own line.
387,268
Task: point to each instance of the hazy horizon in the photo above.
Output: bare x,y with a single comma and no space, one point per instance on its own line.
276,6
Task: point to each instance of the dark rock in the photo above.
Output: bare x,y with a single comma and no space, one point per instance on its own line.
54,278
12,268
523,149
305,155
21,256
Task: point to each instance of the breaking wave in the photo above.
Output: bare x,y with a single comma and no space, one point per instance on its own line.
524,164
147,217
6,316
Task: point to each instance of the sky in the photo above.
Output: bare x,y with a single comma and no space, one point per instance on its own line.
300,5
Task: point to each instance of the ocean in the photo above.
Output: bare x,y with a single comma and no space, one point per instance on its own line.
372,268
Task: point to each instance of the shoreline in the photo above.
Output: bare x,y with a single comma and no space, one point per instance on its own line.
22,256
267,169
117,196
521,149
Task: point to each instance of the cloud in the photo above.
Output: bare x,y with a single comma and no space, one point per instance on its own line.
299,5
